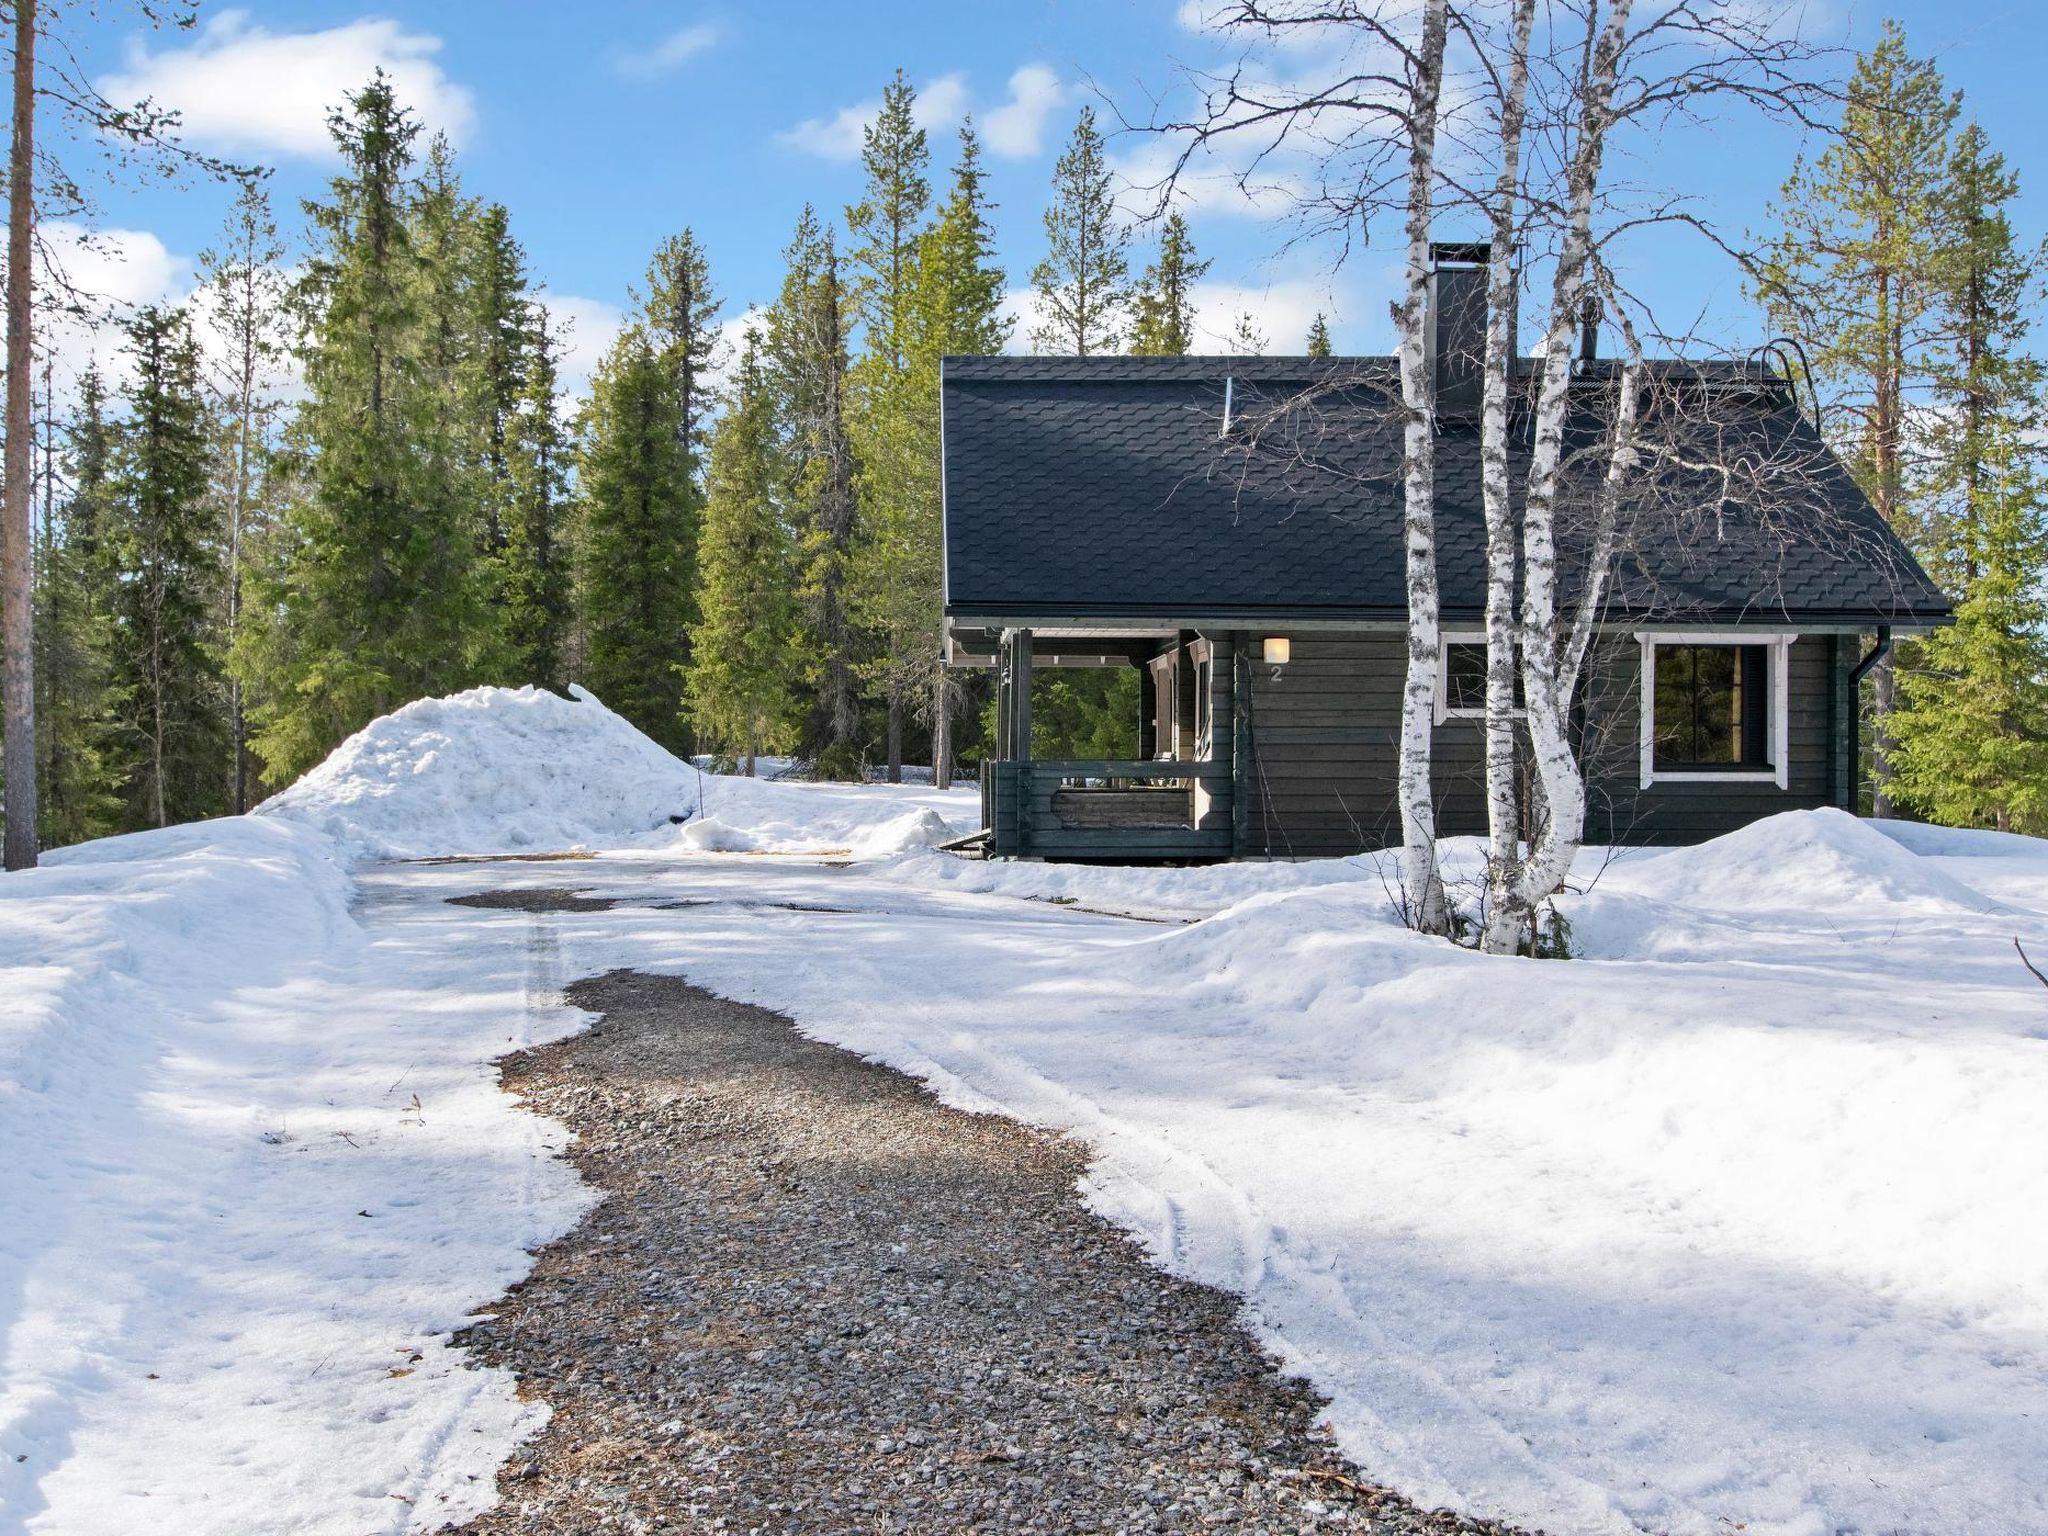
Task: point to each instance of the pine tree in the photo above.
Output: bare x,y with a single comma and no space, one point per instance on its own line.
464,387
958,311
884,397
1319,337
637,543
1856,277
807,367
1163,320
377,596
166,604
885,226
486,337
739,689
1082,283
1971,734
244,307
681,312
78,759
537,569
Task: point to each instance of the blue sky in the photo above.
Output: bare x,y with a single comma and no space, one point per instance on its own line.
605,125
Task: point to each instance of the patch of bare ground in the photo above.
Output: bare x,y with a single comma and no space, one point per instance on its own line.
817,1300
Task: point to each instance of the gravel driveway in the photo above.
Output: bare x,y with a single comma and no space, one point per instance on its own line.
815,1299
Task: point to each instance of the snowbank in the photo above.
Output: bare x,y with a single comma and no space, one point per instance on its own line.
502,770
493,770
257,1169
1824,860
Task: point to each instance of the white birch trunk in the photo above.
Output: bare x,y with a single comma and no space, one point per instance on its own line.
1549,668
1503,804
1421,875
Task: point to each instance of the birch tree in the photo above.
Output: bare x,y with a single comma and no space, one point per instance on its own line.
1421,875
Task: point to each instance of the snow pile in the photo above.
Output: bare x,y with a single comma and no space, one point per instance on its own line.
921,828
1800,861
257,1169
493,770
862,821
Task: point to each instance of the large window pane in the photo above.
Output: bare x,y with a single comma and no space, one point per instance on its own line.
1711,710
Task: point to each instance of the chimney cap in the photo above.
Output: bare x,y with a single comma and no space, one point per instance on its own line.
1460,253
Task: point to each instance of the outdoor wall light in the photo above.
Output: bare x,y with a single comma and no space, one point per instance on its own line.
1279,649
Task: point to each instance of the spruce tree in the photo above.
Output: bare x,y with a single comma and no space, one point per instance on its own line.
957,310
377,598
739,692
681,315
243,288
637,542
79,758
1319,337
495,311
167,547
1163,310
537,568
1083,280
807,366
1856,277
1971,732
681,311
886,226
1246,339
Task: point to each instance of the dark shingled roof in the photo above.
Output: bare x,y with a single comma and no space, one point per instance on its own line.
1105,487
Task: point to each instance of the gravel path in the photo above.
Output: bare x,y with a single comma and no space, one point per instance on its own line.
816,1300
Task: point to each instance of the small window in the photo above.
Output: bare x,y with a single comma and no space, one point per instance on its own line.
1462,690
1713,709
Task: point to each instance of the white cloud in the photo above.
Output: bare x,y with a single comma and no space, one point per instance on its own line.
242,88
678,48
1016,129
112,270
1281,310
940,104
1013,128
590,326
1206,184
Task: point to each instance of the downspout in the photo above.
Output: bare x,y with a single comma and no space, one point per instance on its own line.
1857,673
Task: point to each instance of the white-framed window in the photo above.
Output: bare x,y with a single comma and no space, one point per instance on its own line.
1714,707
1461,676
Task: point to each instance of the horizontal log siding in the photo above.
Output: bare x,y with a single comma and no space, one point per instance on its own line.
1325,734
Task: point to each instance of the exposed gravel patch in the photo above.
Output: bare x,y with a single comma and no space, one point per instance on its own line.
816,1300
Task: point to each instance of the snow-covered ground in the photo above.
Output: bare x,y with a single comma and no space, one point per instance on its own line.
1732,1224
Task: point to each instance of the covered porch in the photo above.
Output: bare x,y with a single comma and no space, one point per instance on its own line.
1178,798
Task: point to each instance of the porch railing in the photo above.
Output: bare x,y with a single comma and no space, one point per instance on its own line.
1095,808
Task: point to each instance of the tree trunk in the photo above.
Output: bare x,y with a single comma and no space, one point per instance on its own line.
942,728
1551,659
895,734
1421,875
17,592
1503,800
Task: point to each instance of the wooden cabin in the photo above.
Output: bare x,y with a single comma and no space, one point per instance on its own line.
1231,527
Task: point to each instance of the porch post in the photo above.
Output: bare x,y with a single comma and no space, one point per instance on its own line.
1018,644
1148,713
